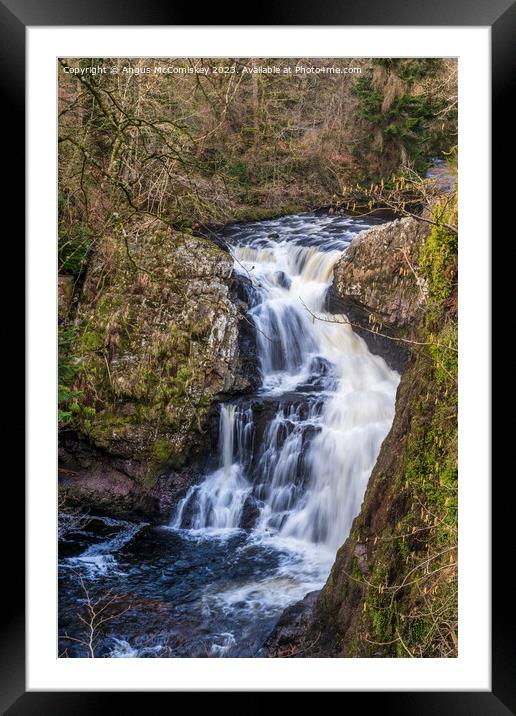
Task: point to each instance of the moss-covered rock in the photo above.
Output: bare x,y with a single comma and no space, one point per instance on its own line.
157,342
64,296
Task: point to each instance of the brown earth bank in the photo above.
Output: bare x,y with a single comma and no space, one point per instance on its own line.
393,588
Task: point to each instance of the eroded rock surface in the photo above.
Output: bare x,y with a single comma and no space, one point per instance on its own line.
288,636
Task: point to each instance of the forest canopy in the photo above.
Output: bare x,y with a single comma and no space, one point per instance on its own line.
208,147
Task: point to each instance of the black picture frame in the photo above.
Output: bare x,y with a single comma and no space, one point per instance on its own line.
500,15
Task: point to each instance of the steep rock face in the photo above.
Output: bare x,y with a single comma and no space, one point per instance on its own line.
289,637
158,341
378,285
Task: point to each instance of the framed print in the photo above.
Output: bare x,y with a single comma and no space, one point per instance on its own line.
258,271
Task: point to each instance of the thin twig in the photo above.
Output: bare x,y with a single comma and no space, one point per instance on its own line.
374,332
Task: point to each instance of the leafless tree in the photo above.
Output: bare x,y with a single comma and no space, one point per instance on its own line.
97,613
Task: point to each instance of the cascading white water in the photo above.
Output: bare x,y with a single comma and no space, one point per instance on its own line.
227,427
330,401
219,500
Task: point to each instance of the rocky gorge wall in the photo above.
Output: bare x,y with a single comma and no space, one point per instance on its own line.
393,588
159,337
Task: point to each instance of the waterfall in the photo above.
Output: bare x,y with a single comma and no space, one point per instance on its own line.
279,493
219,500
298,455
227,426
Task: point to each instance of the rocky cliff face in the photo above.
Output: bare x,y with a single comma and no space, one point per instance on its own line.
393,588
158,340
378,285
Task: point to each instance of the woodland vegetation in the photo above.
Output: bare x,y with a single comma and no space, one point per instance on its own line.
212,148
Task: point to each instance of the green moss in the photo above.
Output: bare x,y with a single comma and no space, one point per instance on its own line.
161,453
91,340
438,261
445,355
108,424
355,569
379,611
140,348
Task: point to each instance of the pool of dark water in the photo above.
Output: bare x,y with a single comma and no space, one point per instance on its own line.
175,593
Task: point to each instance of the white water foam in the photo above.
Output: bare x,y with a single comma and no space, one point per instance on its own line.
99,559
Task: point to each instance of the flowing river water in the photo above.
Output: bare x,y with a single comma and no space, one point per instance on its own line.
262,528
